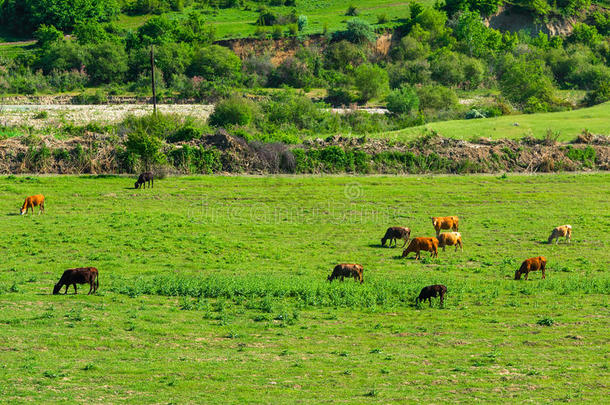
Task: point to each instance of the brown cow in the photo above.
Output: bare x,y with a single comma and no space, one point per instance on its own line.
432,291
417,244
31,202
144,178
561,231
445,223
82,275
396,232
450,239
532,264
347,270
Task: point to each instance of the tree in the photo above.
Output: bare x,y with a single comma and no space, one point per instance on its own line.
402,100
358,31
234,110
371,81
47,35
526,78
106,63
214,62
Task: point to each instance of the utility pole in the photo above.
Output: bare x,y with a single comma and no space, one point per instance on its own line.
154,87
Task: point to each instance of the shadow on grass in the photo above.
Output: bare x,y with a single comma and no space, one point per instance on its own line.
12,214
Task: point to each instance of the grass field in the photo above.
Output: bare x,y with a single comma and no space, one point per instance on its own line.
212,290
569,124
241,23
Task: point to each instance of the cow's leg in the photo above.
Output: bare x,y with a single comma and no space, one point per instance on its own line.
417,255
90,288
526,274
430,301
442,296
75,292
65,292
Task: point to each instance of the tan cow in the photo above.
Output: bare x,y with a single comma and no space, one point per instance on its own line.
532,264
450,239
445,223
31,202
560,232
418,244
347,270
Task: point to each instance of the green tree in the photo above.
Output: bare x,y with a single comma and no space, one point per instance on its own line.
234,110
47,35
106,63
215,62
525,78
402,100
371,81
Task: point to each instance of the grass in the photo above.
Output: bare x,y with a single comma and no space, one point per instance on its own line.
212,289
569,124
241,23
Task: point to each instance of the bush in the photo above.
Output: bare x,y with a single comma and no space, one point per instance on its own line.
371,81
215,62
525,78
402,100
292,72
359,31
352,11
47,35
302,22
437,97
233,111
106,63
343,56
599,95
146,146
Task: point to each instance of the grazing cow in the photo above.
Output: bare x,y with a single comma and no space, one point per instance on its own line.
83,275
396,232
347,270
445,223
561,231
432,291
426,244
532,264
31,202
450,239
146,177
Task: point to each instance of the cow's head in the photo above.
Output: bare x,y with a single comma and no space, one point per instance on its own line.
518,275
136,185
57,288
22,211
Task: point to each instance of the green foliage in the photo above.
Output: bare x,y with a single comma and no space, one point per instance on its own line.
106,63
402,100
25,17
233,111
196,159
215,62
146,146
436,97
585,34
47,35
343,56
526,78
371,81
358,32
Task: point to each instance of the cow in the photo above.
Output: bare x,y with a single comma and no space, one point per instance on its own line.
426,244
532,264
347,270
450,239
561,231
396,232
82,275
146,177
432,291
445,223
31,202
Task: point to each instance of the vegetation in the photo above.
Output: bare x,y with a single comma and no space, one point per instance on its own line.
195,293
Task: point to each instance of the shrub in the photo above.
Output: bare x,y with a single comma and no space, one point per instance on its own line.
359,31
292,72
47,35
233,111
382,19
371,81
343,56
302,22
352,11
524,79
436,97
215,62
106,63
146,146
402,100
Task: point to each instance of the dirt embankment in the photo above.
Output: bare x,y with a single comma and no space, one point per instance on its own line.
514,19
104,154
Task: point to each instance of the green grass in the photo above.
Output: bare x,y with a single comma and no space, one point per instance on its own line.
212,290
569,124
239,23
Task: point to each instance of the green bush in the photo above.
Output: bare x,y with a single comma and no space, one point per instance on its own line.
215,62
146,146
233,111
437,97
402,100
371,81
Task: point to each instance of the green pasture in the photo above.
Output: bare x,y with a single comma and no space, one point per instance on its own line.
213,290
568,124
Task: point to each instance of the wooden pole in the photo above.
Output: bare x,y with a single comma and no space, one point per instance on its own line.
154,87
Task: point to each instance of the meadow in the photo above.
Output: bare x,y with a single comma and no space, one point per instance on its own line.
213,290
567,125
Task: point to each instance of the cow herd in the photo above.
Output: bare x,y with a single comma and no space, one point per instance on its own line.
89,275
442,239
